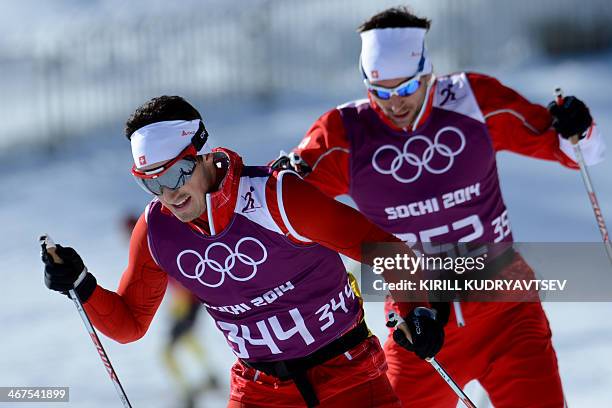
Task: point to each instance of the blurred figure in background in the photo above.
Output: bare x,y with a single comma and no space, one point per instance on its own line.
418,159
184,309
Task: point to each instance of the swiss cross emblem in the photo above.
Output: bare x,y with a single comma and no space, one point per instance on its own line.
375,74
142,160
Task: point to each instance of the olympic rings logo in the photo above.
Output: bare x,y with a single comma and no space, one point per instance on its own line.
206,263
422,162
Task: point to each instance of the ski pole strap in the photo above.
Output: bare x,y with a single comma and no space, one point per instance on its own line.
295,369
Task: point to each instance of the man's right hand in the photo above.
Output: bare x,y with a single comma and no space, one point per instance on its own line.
68,274
426,331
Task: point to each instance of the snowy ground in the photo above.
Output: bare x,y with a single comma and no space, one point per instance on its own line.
80,192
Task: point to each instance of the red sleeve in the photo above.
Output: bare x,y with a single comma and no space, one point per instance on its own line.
326,149
125,315
515,124
338,226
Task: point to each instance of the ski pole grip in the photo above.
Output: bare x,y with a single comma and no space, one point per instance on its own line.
49,246
558,96
396,321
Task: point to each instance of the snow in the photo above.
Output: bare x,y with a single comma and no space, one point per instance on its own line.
79,192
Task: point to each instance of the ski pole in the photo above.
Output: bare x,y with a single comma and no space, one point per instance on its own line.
49,246
396,320
601,222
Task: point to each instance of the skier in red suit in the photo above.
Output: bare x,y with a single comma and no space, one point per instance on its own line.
418,159
242,240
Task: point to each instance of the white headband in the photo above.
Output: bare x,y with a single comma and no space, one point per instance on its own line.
161,141
390,53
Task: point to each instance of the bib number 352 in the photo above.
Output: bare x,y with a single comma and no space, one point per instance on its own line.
471,224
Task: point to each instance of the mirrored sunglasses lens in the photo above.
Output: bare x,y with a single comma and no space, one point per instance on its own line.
148,185
176,176
173,178
381,94
183,170
409,89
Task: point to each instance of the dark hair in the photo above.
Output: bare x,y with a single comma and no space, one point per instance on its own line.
395,17
160,109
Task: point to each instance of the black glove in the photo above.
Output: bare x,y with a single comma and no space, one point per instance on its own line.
427,333
291,161
62,277
442,311
570,118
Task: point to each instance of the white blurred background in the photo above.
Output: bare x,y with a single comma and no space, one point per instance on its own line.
71,72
